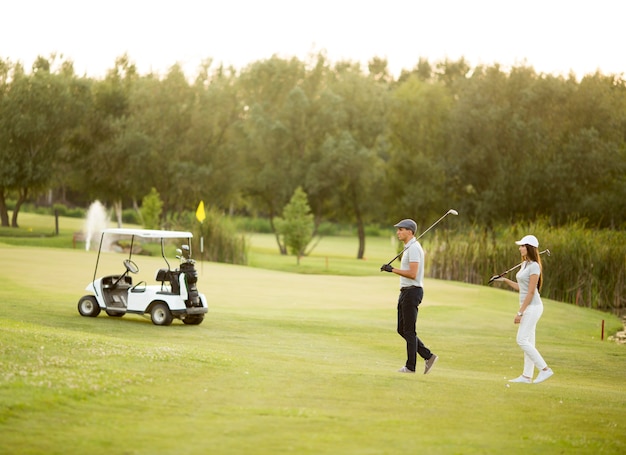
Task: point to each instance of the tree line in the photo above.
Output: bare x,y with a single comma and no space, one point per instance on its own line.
500,146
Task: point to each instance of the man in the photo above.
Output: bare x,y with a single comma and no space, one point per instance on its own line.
411,273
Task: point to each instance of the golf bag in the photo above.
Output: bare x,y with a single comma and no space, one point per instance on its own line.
191,278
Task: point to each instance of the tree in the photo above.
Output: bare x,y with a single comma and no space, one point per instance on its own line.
416,179
351,174
494,139
349,168
107,152
161,110
423,71
151,207
296,225
6,170
270,135
36,113
209,146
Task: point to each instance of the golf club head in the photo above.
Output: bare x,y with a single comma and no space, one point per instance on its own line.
548,252
452,211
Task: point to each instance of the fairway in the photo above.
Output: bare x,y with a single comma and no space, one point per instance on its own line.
293,363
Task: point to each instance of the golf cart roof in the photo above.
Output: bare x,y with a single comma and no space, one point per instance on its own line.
149,233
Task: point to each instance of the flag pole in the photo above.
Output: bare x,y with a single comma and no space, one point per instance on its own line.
201,216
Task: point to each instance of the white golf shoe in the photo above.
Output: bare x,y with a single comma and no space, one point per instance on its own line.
405,370
543,375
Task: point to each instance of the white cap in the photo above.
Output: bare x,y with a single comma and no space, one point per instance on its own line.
529,240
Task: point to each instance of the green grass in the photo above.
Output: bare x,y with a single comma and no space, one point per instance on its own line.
296,363
331,255
40,231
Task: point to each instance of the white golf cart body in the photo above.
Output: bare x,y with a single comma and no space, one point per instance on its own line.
176,296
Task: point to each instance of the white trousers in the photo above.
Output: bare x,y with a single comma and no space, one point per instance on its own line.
526,339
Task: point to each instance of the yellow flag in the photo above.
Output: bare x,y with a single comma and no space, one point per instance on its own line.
200,212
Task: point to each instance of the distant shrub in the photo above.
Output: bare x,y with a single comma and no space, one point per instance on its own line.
375,231
131,216
39,210
63,210
76,212
249,224
327,229
59,209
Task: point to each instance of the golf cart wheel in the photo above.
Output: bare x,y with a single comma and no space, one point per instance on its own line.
88,306
160,314
194,320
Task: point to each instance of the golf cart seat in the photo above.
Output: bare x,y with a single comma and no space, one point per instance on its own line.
120,282
166,275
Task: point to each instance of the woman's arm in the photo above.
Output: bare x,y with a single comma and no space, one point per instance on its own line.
511,283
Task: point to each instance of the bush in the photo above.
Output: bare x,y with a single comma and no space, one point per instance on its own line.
375,231
60,209
247,224
326,229
63,210
131,216
221,243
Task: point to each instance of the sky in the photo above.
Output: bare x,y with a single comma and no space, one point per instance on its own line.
552,36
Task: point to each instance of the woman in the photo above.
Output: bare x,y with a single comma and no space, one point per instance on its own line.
531,307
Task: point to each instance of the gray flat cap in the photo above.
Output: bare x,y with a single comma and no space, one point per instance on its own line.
407,224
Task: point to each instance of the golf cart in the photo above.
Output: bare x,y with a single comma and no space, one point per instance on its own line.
175,297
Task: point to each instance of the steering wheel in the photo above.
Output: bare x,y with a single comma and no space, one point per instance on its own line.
131,266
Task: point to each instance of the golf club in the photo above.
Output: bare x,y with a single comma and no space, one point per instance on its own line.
495,277
451,211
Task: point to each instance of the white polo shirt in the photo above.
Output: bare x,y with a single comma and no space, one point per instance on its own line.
523,280
414,253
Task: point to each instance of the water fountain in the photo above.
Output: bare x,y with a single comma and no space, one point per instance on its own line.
97,220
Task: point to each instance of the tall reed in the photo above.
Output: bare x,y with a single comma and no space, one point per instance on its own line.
215,239
587,267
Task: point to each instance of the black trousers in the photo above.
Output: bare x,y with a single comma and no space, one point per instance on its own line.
408,308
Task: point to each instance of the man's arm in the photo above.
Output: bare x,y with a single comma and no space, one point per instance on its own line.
411,273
